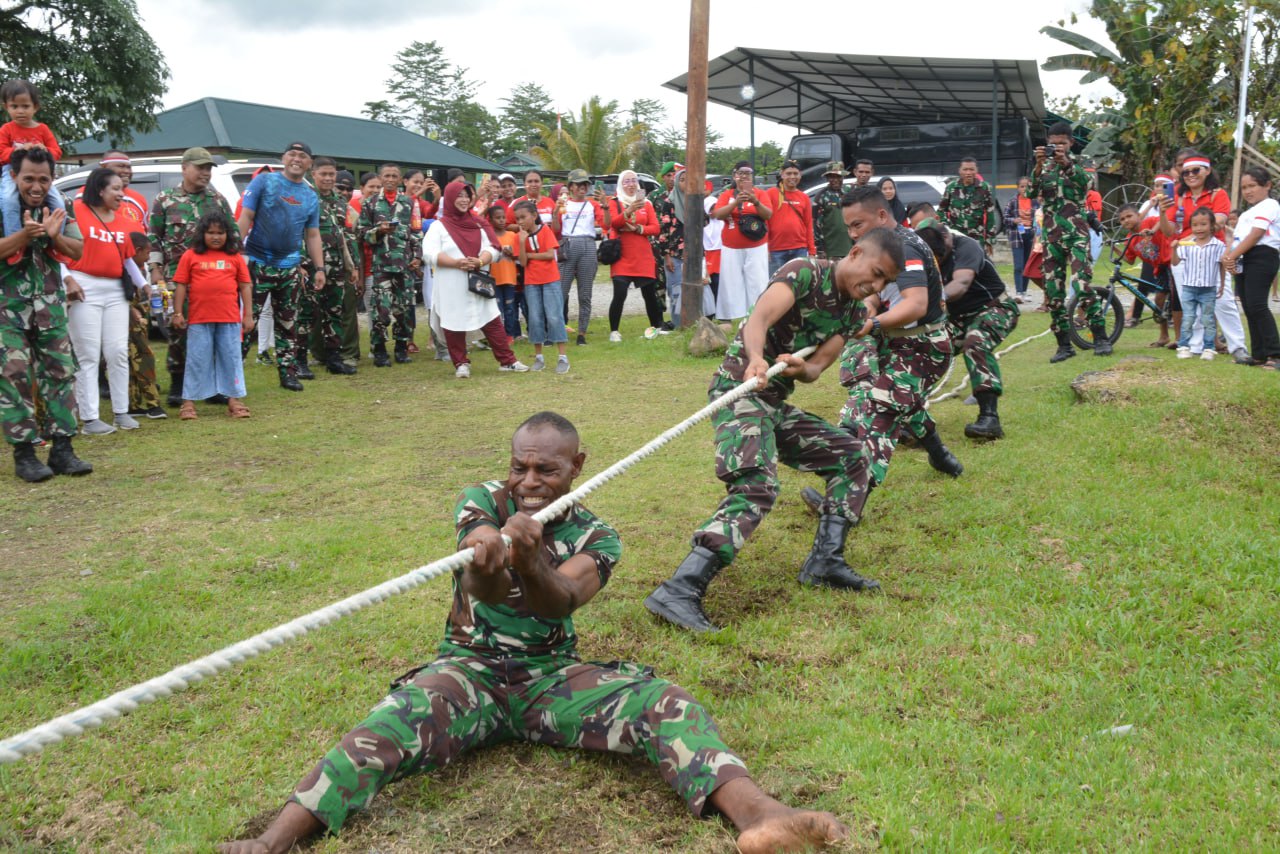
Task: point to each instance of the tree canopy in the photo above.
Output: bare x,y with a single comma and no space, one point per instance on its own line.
97,70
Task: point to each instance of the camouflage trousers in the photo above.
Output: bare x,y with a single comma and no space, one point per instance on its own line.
1068,269
751,437
388,307
322,311
978,335
888,387
175,357
284,286
458,703
36,359
143,391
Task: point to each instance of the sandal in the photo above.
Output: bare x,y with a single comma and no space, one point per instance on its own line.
1172,345
1130,323
1158,344
188,411
236,409
1270,365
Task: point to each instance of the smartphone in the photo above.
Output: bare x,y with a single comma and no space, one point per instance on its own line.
1168,189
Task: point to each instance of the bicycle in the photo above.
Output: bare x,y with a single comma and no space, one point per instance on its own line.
1113,316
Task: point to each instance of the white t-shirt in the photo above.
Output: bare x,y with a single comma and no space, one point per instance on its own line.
711,231
1266,215
578,220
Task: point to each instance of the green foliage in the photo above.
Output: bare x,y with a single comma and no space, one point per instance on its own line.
598,139
1177,66
98,71
720,161
528,106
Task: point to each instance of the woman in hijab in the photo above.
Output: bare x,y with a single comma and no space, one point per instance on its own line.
461,243
631,219
898,208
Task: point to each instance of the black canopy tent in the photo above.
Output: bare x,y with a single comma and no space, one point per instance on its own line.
839,93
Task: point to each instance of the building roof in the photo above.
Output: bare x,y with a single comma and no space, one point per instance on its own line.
261,129
838,93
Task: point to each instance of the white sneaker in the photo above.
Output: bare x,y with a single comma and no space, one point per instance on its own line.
615,337
1207,356
126,422
516,367
97,427
562,365
538,363
463,372
1185,353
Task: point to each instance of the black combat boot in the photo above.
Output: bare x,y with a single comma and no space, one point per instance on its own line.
939,457
402,353
27,466
988,424
1101,343
333,364
63,460
175,388
380,358
678,600
289,381
825,566
301,368
1065,348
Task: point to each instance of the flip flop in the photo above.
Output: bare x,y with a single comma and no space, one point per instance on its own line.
1172,345
1158,344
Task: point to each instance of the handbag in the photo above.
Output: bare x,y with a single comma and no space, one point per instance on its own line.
752,227
482,284
609,251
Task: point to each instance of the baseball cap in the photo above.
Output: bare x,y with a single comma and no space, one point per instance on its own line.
578,176
835,167
197,156
345,177
507,176
298,146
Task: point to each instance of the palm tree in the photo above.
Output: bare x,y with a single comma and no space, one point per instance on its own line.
594,140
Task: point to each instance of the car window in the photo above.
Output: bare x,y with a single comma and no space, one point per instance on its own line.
169,180
242,179
918,191
146,184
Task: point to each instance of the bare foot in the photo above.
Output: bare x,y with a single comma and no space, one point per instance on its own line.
787,829
292,825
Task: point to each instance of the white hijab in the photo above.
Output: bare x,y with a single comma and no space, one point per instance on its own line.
623,197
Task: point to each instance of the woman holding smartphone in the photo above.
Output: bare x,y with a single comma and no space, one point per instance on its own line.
744,258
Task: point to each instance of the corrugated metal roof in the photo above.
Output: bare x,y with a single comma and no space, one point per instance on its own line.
838,93
263,129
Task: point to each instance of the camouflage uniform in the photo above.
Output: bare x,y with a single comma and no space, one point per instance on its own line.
889,379
144,394
830,235
761,428
971,210
323,310
392,296
505,674
171,225
1065,237
34,341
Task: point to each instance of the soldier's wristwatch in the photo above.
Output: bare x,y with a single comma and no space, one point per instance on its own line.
875,324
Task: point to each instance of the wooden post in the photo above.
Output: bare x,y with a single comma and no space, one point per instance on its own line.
1246,54
695,161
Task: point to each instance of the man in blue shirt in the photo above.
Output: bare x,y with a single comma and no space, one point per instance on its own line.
280,213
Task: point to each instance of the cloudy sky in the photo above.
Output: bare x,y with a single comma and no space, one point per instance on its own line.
334,55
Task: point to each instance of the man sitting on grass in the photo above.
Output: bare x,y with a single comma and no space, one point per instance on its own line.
508,669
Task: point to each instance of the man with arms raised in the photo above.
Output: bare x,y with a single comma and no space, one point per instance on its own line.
508,669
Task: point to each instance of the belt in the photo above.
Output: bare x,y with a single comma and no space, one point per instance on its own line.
920,331
581,237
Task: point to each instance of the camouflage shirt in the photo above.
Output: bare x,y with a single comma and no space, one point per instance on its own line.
830,235
172,224
1061,191
38,274
821,311
971,210
391,252
511,629
334,233
670,228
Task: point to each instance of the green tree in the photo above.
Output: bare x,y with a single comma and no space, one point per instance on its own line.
1177,66
523,110
720,161
97,70
595,140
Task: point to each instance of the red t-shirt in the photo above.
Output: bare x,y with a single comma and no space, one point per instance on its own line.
106,244
541,272
791,228
732,237
1093,202
546,207
1155,248
1215,200
637,259
12,133
213,282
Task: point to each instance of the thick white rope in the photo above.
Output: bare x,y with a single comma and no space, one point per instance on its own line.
180,678
960,386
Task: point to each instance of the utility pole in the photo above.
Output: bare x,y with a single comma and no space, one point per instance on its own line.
695,169
1246,52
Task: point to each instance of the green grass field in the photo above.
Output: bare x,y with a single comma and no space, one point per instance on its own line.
1104,565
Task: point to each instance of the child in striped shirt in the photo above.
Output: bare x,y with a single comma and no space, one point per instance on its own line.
1200,257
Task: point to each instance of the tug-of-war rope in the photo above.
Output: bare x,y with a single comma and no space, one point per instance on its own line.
939,396
180,678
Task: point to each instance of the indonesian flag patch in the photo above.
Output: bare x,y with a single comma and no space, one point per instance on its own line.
914,265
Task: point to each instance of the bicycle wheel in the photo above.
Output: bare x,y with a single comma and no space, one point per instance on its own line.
1112,318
